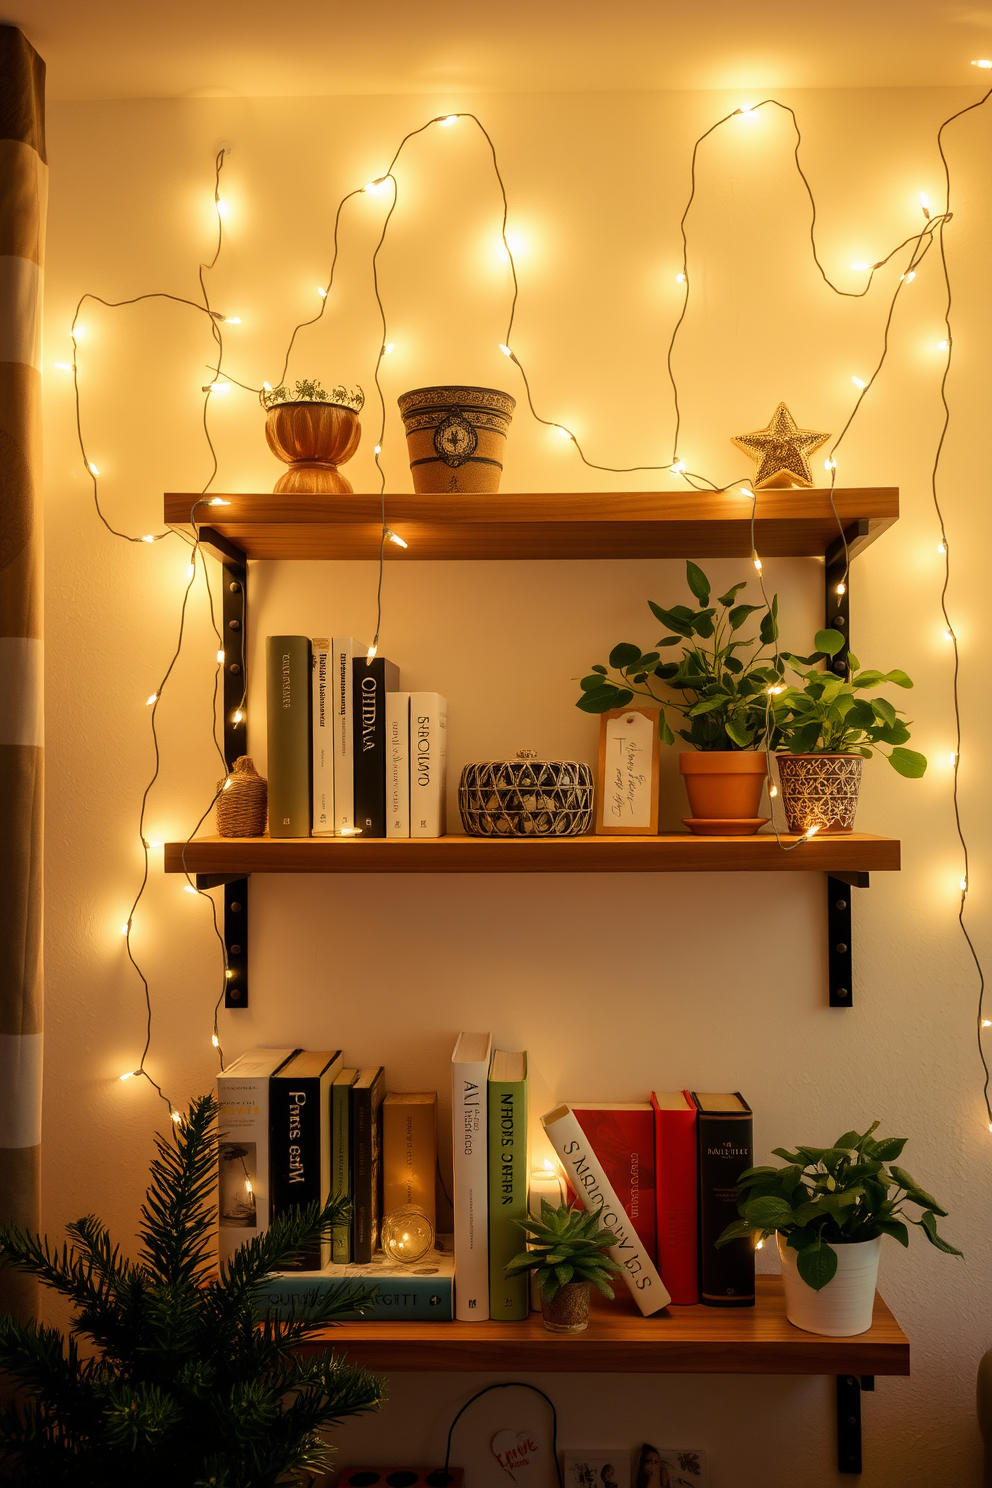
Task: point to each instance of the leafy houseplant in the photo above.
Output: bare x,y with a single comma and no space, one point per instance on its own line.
826,1204
181,1384
568,1256
313,431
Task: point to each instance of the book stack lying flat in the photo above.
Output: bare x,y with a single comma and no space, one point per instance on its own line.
420,1293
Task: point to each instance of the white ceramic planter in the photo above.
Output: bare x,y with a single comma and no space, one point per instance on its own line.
844,1306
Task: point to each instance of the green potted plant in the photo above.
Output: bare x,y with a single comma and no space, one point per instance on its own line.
721,687
313,431
830,1207
827,728
567,1253
181,1380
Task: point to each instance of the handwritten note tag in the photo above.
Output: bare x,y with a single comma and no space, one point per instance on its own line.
627,789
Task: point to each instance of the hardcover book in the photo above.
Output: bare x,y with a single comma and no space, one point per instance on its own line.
586,1176
243,1147
397,764
509,1297
341,1159
367,1095
288,688
622,1137
343,651
420,1293
322,726
677,1184
409,1151
726,1149
428,764
470,1164
300,1139
371,682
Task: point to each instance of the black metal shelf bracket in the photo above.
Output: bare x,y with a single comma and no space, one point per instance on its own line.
849,1391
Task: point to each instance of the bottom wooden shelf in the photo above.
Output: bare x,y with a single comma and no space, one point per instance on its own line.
681,1340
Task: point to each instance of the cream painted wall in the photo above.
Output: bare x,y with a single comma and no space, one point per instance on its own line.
719,981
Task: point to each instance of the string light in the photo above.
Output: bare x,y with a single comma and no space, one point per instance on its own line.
447,122
218,501
908,277
64,366
773,791
238,715
176,1117
394,537
126,929
757,563
748,495
565,433
215,1041
840,589
982,62
680,278
149,701
859,382
389,349
505,350
232,319
987,1022
941,547
267,387
371,652
93,471
149,537
378,449
943,345
190,572
678,467
129,1075
830,464
189,889
322,291
378,186
227,784
216,387
222,208
220,658
861,268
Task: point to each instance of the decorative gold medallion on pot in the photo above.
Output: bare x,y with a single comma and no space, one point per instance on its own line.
313,432
820,790
456,437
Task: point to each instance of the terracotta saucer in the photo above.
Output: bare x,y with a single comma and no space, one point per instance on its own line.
716,826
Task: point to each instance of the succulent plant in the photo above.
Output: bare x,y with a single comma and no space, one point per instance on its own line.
566,1245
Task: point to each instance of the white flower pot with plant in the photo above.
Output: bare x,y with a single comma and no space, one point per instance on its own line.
830,1207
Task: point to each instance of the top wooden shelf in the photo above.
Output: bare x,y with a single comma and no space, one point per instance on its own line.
638,524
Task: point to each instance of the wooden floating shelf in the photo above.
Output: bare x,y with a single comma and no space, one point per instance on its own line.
682,1340
677,852
639,524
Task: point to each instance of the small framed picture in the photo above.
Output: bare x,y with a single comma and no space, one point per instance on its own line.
671,1467
629,767
597,1469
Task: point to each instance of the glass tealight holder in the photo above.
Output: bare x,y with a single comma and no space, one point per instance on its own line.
407,1235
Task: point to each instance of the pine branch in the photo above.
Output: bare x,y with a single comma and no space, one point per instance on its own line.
177,1219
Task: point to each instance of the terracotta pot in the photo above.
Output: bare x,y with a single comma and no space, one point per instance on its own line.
456,437
313,439
568,1310
820,790
724,789
843,1308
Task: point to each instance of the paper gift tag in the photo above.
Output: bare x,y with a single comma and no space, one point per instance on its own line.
629,764
516,1451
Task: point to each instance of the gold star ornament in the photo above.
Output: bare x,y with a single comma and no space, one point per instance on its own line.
782,451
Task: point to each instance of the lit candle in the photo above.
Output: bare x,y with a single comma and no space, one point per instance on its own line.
545,1183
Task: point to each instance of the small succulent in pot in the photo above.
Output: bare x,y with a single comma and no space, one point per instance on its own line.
568,1254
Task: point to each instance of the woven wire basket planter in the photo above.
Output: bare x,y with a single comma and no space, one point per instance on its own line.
526,797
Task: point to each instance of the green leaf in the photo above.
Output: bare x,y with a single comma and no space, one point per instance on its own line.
740,613
664,732
853,662
828,641
670,619
907,762
817,1265
929,1223
698,583
606,698
769,1213
899,678
600,669
727,599
884,710
668,641
738,1230
740,736
624,654
849,1141
895,1228
592,682
888,1149
768,629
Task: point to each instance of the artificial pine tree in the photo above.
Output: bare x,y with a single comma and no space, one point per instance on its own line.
182,1382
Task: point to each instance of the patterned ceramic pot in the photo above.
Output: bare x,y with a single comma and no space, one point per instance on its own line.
456,437
820,790
526,797
568,1309
313,439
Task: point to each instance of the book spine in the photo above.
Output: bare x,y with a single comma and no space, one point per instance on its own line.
342,653
411,1298
678,1200
288,687
341,1168
366,1143
428,764
243,1160
624,1142
471,1190
370,685
726,1276
509,1297
295,1152
585,1174
409,1154
397,764
322,784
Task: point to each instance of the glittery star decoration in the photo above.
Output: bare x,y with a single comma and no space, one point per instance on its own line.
782,451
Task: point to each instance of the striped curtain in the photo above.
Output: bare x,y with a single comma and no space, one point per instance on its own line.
23,201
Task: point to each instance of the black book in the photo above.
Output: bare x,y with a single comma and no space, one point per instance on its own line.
726,1149
300,1141
367,1095
370,683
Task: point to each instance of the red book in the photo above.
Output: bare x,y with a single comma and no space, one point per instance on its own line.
677,1186
622,1137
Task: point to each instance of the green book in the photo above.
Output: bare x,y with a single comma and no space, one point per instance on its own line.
288,687
341,1161
507,1183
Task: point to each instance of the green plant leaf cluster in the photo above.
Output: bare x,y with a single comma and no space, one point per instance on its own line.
825,1196
182,1381
827,715
311,390
719,680
566,1245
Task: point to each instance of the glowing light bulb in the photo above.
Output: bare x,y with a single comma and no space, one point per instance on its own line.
378,186
811,832
447,123
217,387
322,291
757,563
64,366
861,268
943,345
371,651
237,716
222,207
987,1022
941,547
232,320
190,572
155,844
266,387
148,537
774,691
982,62
227,784
378,449
150,700
126,928
248,1187
841,589
93,471
228,975
745,110
964,886
907,278
680,278
924,201
389,348
129,1075
773,791
505,350
952,759
677,467
215,1041
830,464
564,432
859,382
747,493
220,658
189,889
394,537
78,332
218,501
948,635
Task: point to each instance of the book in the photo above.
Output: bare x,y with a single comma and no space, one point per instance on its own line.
586,1176
622,1137
288,687
343,651
371,682
300,1140
341,1159
322,743
509,1297
397,764
677,1190
243,1147
367,1095
470,1170
428,764
420,1293
726,1148
409,1151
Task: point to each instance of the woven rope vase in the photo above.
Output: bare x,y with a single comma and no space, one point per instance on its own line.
242,806
820,790
526,797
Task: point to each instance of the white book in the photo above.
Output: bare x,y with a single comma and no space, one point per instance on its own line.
343,651
397,764
322,776
470,1165
428,764
586,1176
243,1147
